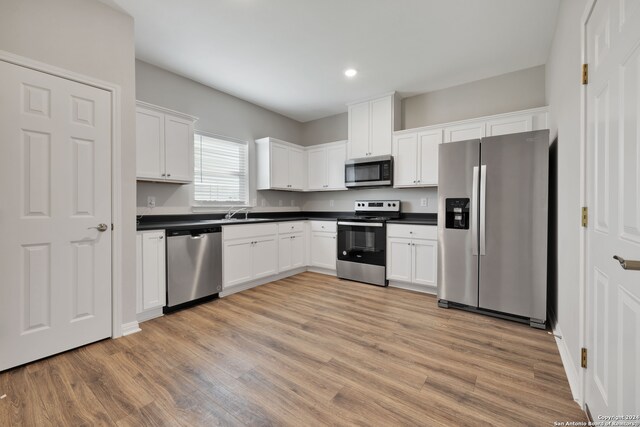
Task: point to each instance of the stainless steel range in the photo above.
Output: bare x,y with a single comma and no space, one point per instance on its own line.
362,241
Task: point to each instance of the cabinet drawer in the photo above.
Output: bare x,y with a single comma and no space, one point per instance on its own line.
329,226
411,231
247,231
290,227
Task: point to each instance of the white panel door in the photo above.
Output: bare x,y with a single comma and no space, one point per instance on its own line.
297,250
284,252
399,259
613,192
178,141
317,169
237,257
153,261
336,157
428,146
424,262
265,257
405,167
381,126
507,125
279,166
464,132
55,181
149,144
358,145
323,250
296,169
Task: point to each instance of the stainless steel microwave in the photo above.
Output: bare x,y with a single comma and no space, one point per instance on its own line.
369,172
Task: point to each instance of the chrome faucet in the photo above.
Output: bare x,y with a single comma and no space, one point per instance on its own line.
230,214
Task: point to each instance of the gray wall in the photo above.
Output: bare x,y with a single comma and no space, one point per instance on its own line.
89,38
218,113
563,97
519,90
328,129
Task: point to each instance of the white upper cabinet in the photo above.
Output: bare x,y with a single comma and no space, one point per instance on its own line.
326,166
371,126
464,131
164,144
416,158
512,124
280,165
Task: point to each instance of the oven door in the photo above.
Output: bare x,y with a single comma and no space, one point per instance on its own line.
360,173
362,242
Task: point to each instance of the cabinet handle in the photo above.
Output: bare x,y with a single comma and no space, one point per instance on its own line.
164,174
408,244
168,174
161,237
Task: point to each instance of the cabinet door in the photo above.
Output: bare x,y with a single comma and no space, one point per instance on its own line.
428,144
153,270
279,169
464,132
296,169
178,141
336,156
425,262
265,257
323,250
399,259
358,145
405,162
507,125
297,250
149,144
317,169
381,126
284,252
237,262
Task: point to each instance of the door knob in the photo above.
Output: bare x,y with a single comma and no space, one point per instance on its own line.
101,228
627,264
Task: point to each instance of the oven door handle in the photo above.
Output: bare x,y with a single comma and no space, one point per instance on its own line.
362,224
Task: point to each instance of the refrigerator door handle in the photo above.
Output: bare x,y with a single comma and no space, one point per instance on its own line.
474,213
483,209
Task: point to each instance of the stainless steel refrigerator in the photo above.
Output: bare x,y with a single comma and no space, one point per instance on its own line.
492,226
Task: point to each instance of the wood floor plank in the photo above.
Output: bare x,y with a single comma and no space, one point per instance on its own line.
306,350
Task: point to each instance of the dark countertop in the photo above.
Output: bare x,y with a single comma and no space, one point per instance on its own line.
198,221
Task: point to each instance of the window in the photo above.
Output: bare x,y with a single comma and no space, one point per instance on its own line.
220,171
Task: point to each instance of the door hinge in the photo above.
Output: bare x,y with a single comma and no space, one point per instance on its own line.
585,74
583,358
585,216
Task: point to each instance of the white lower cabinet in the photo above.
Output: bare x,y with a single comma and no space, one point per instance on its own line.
151,274
323,245
412,252
237,266
291,250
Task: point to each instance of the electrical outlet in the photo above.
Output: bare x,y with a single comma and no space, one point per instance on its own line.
263,203
279,202
423,202
255,202
331,203
151,202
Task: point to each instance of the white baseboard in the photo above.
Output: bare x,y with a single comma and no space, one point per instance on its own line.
149,314
252,284
431,290
570,367
322,271
130,328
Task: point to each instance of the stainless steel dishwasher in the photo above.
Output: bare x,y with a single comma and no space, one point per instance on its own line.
194,265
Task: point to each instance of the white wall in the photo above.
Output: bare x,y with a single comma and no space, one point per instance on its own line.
89,38
514,91
563,97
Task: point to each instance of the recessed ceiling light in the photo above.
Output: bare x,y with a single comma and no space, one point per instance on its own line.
350,72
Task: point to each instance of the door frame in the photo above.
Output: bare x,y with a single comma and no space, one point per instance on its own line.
584,242
116,169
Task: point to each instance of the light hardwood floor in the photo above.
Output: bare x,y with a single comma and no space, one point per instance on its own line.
304,351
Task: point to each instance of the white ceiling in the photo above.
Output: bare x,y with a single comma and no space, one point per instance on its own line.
289,55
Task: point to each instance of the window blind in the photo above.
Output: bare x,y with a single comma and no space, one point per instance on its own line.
220,170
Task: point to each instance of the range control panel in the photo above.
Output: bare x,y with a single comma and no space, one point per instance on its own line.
377,205
457,213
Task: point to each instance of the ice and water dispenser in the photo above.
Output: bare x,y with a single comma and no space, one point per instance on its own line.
457,213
